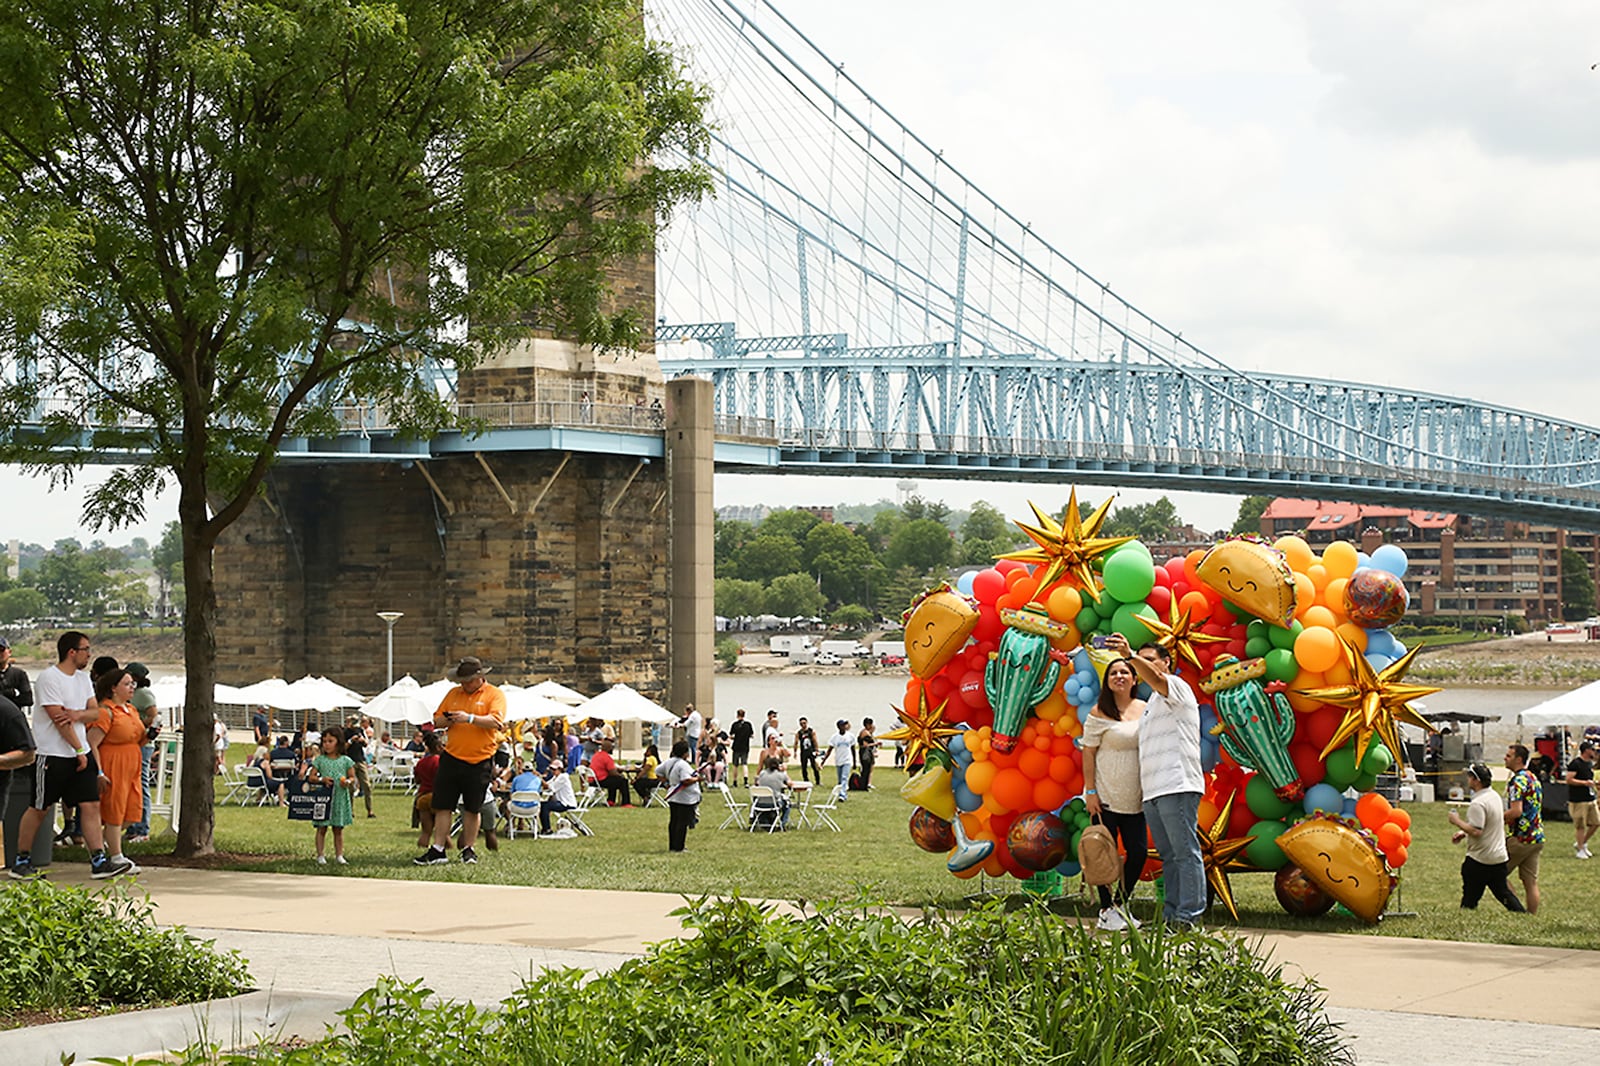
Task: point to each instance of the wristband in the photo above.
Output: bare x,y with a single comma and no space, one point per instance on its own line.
1090,792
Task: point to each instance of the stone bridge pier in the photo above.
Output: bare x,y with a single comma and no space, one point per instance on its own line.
569,563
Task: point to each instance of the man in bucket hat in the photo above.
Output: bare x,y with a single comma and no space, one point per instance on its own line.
472,713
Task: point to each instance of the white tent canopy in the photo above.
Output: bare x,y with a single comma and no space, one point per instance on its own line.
619,703
402,701
1578,707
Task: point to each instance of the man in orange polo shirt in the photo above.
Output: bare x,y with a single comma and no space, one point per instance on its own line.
472,714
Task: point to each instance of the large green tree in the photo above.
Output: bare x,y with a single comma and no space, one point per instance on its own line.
1147,521
735,598
923,544
842,561
226,217
1577,587
792,595
1250,511
766,557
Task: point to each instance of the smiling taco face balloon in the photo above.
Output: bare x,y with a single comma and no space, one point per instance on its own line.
1253,577
1341,862
937,626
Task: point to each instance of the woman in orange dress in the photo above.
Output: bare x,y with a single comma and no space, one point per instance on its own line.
116,738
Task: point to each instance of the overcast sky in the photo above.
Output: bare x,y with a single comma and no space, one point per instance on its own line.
1400,192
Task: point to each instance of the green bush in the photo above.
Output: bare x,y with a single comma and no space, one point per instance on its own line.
69,947
727,652
860,987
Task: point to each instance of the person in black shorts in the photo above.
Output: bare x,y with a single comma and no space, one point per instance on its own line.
473,713
740,735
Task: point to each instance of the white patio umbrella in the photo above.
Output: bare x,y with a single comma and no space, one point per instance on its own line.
171,690
560,693
402,701
525,705
619,703
307,694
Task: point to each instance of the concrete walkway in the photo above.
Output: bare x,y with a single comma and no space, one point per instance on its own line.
315,942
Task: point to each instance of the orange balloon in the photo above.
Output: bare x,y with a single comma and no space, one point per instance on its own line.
1049,794
1207,814
1318,616
1339,559
1390,836
1064,603
1035,764
1316,648
1401,817
1296,551
1354,635
1339,673
1304,679
1397,858
993,867
1061,746
994,806
1333,598
980,777
1062,769
1013,576
1318,575
1025,589
968,873
1012,789
1197,605
1305,595
1373,810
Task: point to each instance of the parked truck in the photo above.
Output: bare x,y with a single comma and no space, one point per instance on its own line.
802,656
787,644
889,649
844,649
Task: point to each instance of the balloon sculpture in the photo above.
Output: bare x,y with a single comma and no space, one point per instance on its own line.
1303,692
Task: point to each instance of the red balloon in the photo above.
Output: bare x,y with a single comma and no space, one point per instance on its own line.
1160,598
1241,818
989,627
1163,579
987,585
972,690
1223,613
1318,727
1005,566
1234,648
940,688
1307,764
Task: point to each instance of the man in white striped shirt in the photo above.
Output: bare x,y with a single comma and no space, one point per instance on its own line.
1171,779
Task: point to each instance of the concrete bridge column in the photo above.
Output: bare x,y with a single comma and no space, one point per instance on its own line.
692,544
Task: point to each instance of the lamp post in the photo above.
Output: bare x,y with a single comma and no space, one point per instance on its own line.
390,618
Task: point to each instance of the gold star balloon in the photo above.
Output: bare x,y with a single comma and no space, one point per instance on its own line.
922,729
1179,634
1374,702
1067,547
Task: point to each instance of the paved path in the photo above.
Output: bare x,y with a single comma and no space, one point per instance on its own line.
1412,1002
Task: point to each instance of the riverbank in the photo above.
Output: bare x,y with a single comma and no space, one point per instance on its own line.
1528,661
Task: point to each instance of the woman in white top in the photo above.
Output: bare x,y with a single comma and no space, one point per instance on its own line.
1111,787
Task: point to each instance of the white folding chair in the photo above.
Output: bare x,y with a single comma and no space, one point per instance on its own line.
658,795
233,779
255,785
523,808
821,814
735,818
764,803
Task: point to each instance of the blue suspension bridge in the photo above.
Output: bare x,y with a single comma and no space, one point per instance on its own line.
862,308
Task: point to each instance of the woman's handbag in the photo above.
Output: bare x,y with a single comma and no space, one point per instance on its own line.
1098,855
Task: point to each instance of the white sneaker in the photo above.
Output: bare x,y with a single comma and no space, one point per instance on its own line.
1111,920
1583,853
1127,916
322,860
340,860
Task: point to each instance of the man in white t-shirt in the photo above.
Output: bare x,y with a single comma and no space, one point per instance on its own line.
65,769
841,752
1171,779
692,724
1484,828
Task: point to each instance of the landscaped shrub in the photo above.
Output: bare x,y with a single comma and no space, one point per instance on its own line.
67,947
864,988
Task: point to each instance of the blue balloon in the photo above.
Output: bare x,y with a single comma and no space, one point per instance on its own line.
1349,809
1083,713
1390,557
957,746
964,582
1070,688
1380,662
1210,753
1324,798
966,799
1070,868
1363,559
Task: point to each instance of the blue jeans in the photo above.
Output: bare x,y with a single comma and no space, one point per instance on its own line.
843,791
694,748
1174,826
141,828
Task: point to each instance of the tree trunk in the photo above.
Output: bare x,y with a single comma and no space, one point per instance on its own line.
197,819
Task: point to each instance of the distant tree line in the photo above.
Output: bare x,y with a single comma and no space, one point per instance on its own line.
70,582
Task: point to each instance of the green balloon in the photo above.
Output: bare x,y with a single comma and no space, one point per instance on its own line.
1256,647
1072,844
1378,759
1135,546
1255,629
1107,604
1341,768
1126,621
1263,850
1281,665
1284,638
1074,807
1262,801
1087,622
1365,782
1130,576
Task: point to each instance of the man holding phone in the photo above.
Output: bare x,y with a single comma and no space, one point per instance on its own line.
473,713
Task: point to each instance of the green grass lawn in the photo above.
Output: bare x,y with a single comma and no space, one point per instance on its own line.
874,855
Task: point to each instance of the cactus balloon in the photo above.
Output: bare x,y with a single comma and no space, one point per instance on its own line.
1255,724
1022,673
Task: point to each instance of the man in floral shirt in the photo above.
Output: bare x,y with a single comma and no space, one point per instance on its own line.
1524,823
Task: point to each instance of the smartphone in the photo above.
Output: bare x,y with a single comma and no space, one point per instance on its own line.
1098,640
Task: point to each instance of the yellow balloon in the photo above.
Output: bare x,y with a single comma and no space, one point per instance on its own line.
931,791
1254,577
1296,551
1355,635
1342,863
1340,559
1053,706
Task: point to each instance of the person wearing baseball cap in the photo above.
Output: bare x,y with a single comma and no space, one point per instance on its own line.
1484,829
473,713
